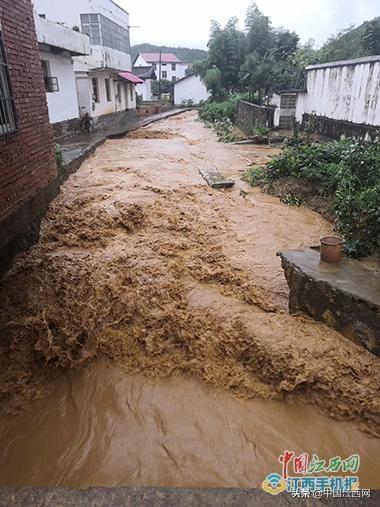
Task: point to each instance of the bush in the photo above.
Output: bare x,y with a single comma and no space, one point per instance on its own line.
219,111
226,131
256,175
348,169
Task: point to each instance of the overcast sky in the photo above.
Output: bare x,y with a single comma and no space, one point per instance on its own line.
186,23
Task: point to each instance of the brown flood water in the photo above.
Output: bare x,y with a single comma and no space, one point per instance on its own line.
100,427
174,296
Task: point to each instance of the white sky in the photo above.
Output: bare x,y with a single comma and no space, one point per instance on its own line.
186,23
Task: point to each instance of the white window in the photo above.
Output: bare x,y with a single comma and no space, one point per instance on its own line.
7,114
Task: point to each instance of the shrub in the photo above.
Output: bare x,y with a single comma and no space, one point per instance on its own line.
256,175
219,111
348,169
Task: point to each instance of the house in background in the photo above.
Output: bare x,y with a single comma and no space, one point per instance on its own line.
167,65
28,169
148,75
190,88
58,45
342,96
104,79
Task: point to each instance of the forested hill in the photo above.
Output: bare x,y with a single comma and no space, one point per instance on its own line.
183,54
363,40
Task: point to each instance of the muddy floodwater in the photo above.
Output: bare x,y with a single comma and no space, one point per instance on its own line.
146,340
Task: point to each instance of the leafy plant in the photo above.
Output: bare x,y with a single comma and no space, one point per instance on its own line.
260,130
256,175
291,200
225,131
347,169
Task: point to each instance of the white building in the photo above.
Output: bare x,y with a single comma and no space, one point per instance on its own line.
167,65
57,45
190,88
104,80
345,91
148,75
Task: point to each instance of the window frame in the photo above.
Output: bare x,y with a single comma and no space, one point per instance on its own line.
95,90
8,121
107,84
164,76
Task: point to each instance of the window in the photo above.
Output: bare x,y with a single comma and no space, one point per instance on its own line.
119,93
7,112
163,64
174,66
108,90
91,27
174,79
51,83
131,92
102,31
164,74
95,89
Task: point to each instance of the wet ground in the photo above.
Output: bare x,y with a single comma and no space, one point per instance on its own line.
151,322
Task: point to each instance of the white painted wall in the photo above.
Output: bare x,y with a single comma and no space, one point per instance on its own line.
190,88
179,72
145,90
68,12
349,92
63,105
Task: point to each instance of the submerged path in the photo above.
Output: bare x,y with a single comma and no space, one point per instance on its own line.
143,270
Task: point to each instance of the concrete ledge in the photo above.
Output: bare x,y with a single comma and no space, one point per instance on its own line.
165,497
20,230
345,295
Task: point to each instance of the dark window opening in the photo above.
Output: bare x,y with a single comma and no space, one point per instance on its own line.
95,89
7,110
51,83
119,93
164,74
108,90
174,79
174,66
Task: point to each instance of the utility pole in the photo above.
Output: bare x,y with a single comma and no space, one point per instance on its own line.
159,76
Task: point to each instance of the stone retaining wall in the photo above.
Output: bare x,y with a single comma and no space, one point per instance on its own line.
250,115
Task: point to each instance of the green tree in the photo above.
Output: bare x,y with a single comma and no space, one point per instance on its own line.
213,82
227,52
370,39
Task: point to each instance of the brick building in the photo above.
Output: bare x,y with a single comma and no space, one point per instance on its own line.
28,172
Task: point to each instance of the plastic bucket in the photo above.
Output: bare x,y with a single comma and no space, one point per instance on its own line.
331,249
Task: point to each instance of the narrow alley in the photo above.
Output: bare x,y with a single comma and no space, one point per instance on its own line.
149,326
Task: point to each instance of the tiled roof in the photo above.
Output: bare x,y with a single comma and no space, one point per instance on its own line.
155,57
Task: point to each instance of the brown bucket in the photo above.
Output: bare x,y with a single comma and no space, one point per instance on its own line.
331,249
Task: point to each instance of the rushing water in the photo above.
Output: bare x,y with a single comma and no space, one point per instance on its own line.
101,427
144,272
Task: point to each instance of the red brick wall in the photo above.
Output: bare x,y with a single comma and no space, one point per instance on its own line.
27,160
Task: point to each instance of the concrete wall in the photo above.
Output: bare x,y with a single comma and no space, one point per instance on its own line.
53,34
68,12
145,90
346,91
190,88
250,115
63,105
